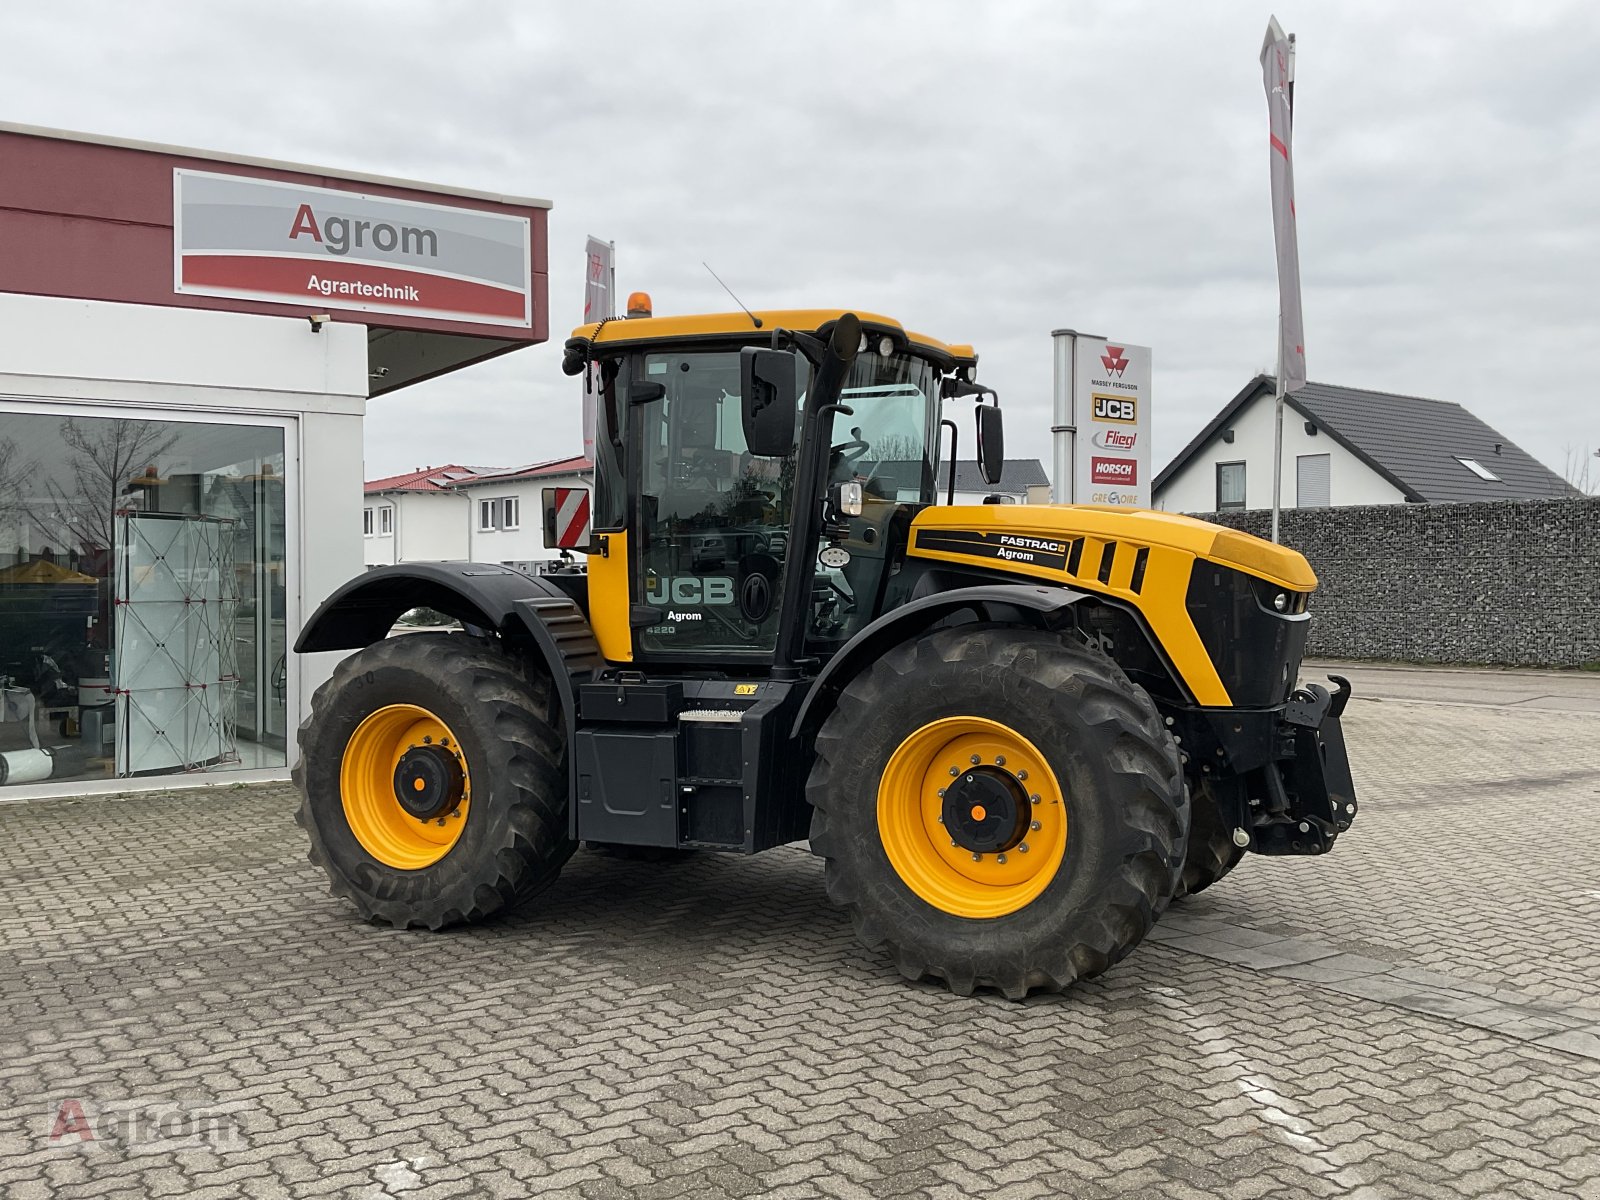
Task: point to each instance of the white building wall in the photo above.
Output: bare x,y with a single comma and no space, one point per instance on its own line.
186,363
1194,487
526,542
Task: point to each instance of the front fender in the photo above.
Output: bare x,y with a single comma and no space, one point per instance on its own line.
363,610
991,602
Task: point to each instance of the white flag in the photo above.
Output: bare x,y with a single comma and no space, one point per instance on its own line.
597,306
1277,69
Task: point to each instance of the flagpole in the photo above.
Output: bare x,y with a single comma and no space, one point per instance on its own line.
1277,443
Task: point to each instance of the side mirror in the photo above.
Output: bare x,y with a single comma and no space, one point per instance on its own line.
566,519
770,400
991,443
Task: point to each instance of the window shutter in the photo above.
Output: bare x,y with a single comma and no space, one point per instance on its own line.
1312,481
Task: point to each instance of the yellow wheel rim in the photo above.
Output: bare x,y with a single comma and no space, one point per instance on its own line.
403,749
951,817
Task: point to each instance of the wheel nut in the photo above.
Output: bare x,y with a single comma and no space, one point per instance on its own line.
941,793
1022,774
954,772
999,760
1034,799
1022,847
977,858
975,760
1035,826
1000,858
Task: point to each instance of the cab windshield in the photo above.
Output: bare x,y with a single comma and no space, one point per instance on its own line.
888,444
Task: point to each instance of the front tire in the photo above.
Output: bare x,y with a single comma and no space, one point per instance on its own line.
943,760
433,781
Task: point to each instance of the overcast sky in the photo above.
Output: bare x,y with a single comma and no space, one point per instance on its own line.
984,173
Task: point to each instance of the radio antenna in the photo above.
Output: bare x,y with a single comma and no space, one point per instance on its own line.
729,290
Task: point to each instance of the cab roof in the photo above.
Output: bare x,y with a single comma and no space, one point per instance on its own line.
634,331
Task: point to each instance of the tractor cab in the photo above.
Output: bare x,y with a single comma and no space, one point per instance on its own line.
719,471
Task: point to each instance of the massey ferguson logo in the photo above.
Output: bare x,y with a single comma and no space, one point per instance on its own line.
1114,362
1122,409
1115,439
1113,470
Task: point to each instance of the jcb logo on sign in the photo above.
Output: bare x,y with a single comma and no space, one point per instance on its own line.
1124,409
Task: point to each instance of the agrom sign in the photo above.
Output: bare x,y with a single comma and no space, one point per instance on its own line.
258,239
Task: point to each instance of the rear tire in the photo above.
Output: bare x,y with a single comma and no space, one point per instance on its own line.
1116,779
1211,853
506,724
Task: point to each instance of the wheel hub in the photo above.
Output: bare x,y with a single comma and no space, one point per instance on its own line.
986,810
429,781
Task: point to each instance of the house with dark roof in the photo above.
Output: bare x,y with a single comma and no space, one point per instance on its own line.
1022,481
1344,446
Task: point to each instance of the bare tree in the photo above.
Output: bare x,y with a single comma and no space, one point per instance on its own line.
1582,470
14,473
103,457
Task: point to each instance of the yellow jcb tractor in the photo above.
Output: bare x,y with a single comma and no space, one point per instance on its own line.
1014,733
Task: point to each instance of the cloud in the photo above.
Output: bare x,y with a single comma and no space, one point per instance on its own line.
983,173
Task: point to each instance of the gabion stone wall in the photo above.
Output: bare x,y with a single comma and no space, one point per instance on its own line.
1513,583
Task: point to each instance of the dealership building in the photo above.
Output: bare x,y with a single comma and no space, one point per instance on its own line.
188,342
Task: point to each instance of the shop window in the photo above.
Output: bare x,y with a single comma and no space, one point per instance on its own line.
1230,486
386,520
366,522
142,598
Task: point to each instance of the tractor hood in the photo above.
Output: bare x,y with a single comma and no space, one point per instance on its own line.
1087,541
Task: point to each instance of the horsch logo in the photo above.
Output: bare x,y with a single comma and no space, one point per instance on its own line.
1114,470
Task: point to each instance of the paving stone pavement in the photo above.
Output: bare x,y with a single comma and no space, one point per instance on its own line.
711,1028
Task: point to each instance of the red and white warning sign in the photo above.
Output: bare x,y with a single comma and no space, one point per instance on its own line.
566,518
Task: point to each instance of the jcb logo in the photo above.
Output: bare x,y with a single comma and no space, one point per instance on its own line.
688,590
1116,408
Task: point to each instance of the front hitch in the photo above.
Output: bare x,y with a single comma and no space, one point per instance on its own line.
1281,775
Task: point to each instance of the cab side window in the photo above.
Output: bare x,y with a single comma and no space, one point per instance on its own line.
713,518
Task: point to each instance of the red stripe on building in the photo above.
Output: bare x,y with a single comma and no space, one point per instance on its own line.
323,281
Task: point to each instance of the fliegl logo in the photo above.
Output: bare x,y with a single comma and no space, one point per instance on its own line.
1115,439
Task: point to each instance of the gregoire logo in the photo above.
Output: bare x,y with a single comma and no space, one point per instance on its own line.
1114,439
1115,364
1113,470
1123,409
287,243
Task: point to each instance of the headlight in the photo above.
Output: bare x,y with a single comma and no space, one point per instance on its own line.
850,499
1281,602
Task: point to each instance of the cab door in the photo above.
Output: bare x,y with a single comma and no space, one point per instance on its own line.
710,530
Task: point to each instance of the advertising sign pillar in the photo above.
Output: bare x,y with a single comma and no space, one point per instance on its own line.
1102,421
